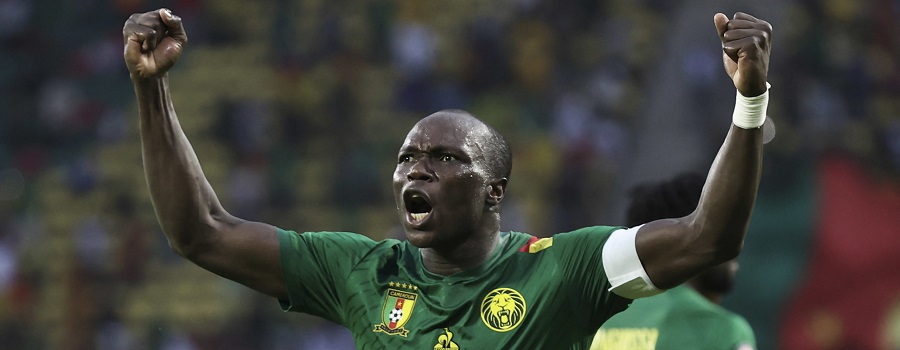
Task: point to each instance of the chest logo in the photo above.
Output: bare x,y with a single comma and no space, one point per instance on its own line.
503,309
445,341
397,308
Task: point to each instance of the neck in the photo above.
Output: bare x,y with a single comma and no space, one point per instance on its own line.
714,297
466,256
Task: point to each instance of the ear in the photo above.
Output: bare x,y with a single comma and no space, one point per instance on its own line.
497,190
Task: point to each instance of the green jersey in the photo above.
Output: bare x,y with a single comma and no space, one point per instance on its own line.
680,318
549,293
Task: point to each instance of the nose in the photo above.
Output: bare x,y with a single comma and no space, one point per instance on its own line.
420,171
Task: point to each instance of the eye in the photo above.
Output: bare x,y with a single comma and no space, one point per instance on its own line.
404,159
447,158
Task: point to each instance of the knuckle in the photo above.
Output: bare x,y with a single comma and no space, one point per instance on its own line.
756,40
759,43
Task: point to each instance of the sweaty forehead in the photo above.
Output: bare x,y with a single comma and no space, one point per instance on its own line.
447,129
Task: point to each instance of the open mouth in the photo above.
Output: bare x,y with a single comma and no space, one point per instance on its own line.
417,206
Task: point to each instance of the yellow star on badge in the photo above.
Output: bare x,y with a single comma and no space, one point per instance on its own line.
391,284
404,285
415,287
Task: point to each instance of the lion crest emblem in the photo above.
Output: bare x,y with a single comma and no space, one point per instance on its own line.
503,309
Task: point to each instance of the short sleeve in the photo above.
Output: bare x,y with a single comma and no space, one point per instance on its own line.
623,267
315,266
580,255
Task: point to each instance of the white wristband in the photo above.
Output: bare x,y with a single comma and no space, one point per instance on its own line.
750,112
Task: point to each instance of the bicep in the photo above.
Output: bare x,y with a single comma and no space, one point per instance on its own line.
668,252
246,252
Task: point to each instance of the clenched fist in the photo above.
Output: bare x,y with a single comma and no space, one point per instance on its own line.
153,43
746,44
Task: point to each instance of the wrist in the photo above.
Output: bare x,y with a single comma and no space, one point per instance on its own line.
144,83
750,112
138,78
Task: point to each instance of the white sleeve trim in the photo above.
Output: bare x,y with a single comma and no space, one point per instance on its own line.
623,267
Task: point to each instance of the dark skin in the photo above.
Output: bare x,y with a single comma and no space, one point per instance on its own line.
441,163
194,221
720,274
674,250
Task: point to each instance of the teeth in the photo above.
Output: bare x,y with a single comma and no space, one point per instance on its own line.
418,216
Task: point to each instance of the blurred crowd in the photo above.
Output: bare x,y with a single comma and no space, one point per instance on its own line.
296,109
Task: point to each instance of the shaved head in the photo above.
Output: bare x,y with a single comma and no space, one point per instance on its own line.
497,153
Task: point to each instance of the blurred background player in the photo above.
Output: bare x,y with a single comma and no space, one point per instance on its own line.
685,317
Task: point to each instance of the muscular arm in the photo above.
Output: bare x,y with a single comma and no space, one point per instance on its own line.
192,218
674,250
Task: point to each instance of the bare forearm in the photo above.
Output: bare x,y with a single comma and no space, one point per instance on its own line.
184,201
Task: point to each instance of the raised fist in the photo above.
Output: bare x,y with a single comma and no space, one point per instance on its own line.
153,43
746,44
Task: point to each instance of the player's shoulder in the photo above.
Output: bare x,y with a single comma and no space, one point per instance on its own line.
688,303
329,240
739,323
513,241
587,233
528,243
735,329
327,235
590,236
591,230
726,318
712,318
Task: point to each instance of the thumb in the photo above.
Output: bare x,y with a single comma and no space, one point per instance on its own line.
721,22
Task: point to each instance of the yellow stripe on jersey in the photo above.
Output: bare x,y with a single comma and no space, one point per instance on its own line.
625,339
540,245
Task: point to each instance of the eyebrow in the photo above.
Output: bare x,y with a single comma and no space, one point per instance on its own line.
437,149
